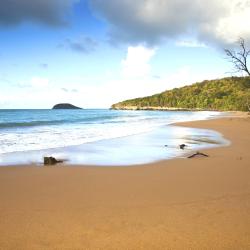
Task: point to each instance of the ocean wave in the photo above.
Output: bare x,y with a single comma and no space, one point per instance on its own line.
62,136
45,129
101,119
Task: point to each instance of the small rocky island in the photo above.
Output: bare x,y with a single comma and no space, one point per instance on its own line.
65,106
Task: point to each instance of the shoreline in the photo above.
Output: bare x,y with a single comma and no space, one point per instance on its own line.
152,108
199,203
195,124
160,143
159,150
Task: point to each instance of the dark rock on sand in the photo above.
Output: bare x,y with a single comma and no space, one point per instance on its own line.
51,160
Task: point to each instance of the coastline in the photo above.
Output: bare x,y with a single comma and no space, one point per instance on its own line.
148,140
200,203
156,108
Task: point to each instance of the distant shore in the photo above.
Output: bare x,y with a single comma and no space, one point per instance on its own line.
159,108
230,93
199,203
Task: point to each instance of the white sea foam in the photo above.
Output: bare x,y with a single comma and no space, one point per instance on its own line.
111,124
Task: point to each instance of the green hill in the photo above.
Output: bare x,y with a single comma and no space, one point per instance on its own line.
225,94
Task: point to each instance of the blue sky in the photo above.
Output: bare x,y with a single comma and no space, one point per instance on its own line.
93,53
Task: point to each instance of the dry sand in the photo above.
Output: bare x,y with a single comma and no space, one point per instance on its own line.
199,203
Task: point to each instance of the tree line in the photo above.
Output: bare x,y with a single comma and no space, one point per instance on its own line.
231,93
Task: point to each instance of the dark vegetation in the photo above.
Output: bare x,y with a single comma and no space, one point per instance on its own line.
225,94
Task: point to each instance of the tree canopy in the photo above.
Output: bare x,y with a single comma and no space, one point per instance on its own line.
224,94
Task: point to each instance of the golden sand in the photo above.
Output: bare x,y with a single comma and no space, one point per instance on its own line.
199,203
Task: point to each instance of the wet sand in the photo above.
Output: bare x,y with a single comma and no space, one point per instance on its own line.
199,203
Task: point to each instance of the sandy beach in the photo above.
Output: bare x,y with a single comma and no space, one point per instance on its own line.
199,203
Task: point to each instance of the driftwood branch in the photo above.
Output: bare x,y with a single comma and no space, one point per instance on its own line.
197,154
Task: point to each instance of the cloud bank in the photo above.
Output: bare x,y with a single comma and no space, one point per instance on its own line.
50,12
151,21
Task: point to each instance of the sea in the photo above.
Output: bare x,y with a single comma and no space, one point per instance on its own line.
101,136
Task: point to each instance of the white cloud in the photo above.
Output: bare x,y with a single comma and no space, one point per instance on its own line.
151,21
39,82
191,44
235,24
137,61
